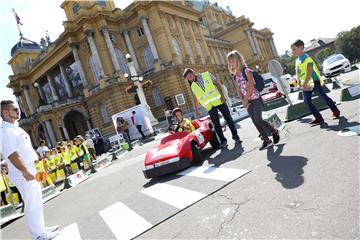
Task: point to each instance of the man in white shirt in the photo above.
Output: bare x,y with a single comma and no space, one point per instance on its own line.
20,156
42,149
138,122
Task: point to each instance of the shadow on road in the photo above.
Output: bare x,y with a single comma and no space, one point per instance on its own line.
343,123
225,155
289,169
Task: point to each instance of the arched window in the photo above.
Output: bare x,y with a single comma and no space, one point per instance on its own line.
176,46
104,113
148,58
121,60
95,69
157,97
189,49
198,47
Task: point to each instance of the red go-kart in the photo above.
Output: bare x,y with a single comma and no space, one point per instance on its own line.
178,150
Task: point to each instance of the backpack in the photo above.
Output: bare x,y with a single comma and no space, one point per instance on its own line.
259,81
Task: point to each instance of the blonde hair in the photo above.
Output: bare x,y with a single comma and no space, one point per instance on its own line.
234,54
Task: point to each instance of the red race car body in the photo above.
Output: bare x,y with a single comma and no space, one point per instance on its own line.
178,150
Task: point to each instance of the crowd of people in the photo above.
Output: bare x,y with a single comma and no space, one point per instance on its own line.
207,90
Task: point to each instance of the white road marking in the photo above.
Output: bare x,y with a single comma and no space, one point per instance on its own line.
174,196
70,232
222,174
124,222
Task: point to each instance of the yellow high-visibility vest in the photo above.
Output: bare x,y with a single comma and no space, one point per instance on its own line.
301,71
40,166
66,157
186,122
211,96
73,153
79,151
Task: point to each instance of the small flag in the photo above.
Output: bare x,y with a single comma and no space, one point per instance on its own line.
17,18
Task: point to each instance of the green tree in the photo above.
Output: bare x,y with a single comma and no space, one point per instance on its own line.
288,63
348,43
322,54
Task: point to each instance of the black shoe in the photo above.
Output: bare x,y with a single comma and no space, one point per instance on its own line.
266,144
276,137
317,121
223,144
238,141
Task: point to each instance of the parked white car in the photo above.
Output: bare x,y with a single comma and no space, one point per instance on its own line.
334,64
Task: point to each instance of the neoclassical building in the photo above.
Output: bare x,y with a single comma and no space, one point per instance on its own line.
77,82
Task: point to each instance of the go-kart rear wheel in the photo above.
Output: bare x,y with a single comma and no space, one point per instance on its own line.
214,141
197,158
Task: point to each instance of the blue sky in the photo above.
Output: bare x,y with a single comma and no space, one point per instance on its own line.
288,19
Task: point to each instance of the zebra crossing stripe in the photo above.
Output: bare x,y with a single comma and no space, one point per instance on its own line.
222,174
70,232
124,222
174,196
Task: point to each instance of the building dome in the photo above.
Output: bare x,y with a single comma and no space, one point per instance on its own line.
25,45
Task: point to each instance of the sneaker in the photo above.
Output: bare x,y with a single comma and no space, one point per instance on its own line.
238,141
48,235
52,228
266,144
223,144
336,115
276,136
317,121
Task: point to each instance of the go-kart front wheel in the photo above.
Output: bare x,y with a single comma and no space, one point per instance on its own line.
196,154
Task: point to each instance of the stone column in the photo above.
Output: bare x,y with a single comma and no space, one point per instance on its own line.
52,87
47,137
130,48
205,46
273,48
169,37
256,44
193,40
66,80
252,44
51,133
28,99
181,36
75,51
149,37
94,51
40,91
110,47
88,124
66,134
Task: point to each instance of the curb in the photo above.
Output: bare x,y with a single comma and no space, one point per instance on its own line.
275,103
350,93
299,110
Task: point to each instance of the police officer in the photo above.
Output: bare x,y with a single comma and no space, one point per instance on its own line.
208,91
20,157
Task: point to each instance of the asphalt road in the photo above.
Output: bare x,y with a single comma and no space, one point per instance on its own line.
305,187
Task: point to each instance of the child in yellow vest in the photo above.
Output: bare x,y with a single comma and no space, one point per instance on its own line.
65,152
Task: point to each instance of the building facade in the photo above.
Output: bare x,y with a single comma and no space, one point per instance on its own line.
77,82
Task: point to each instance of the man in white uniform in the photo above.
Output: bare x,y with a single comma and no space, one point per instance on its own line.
42,149
20,156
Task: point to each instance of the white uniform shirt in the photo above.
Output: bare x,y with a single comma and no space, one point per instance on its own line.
90,143
41,150
138,120
15,139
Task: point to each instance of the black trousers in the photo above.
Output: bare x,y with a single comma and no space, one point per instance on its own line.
140,131
223,108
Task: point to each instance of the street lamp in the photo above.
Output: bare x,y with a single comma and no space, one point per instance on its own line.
136,79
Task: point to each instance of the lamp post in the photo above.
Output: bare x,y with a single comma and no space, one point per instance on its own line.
134,77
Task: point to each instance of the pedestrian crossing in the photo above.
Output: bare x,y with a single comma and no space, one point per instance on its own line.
145,209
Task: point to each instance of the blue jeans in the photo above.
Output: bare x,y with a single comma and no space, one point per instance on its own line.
322,94
223,108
